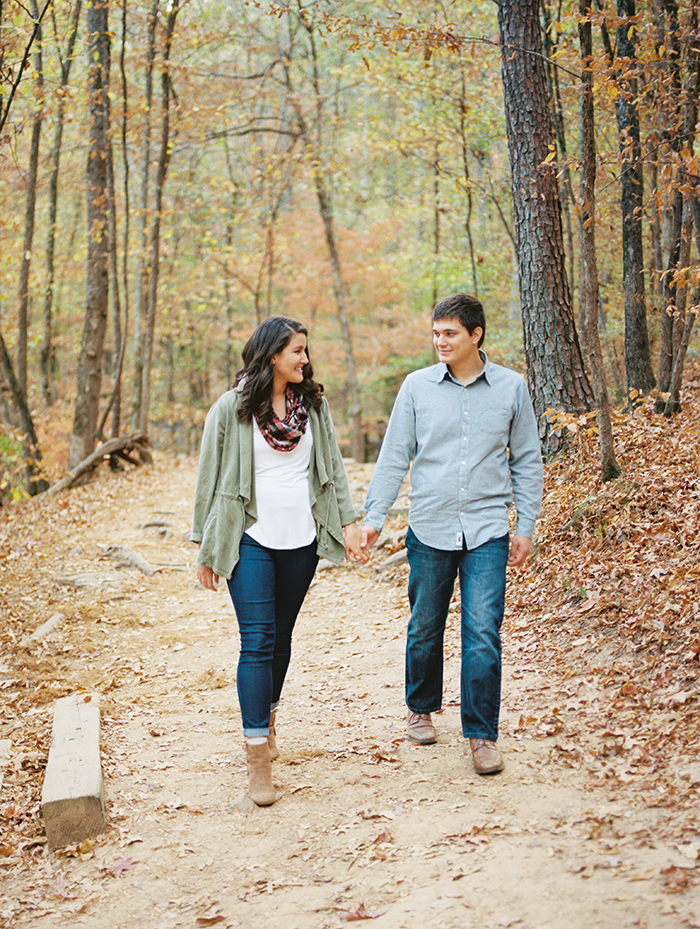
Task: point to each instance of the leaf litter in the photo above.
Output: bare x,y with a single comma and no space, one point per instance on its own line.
601,651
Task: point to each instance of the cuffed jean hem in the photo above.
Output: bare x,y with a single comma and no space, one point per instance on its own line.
256,733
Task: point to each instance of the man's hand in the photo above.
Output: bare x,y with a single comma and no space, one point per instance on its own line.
520,548
353,548
206,576
369,536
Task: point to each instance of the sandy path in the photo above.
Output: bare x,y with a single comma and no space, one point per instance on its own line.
368,826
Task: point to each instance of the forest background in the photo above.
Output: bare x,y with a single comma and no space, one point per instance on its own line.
174,172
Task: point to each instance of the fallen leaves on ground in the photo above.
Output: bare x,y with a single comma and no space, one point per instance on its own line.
606,615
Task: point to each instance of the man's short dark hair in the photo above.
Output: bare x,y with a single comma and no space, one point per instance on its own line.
465,308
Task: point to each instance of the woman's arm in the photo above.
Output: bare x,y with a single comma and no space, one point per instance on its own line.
207,471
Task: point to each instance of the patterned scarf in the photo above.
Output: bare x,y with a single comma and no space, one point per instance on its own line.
284,434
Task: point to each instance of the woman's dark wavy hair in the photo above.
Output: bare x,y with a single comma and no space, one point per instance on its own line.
270,338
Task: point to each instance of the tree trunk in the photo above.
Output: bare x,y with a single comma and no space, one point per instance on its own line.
47,348
436,224
119,331
36,483
30,208
89,383
142,285
685,317
463,133
668,36
326,210
640,375
19,70
354,404
559,127
161,174
588,266
556,374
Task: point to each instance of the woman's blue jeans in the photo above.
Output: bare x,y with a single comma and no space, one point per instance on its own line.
267,588
482,583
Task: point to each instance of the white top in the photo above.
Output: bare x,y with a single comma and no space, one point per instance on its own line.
282,493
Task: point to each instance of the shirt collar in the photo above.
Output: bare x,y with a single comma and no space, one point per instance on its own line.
442,372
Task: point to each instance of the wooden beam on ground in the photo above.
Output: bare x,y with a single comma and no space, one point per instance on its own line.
72,797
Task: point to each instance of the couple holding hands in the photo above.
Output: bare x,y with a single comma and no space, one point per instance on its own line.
272,498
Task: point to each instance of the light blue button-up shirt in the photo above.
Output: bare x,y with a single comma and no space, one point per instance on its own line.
472,451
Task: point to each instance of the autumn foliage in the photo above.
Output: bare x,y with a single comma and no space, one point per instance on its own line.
610,600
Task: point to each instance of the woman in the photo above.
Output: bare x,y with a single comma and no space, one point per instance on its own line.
272,497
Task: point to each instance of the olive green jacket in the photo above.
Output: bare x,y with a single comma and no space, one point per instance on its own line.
225,497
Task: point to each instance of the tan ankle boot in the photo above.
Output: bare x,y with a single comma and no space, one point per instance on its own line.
260,789
272,738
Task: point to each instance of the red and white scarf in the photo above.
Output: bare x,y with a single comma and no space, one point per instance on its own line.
284,434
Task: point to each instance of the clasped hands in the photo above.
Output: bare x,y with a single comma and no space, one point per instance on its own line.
354,549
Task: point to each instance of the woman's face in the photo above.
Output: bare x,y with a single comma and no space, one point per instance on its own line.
288,365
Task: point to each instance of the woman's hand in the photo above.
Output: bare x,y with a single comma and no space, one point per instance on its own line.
206,576
353,544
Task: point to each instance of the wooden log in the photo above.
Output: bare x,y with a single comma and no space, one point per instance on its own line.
72,797
122,446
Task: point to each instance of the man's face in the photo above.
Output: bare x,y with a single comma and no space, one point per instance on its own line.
455,345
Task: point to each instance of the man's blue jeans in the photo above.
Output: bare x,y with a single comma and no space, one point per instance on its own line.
482,582
267,588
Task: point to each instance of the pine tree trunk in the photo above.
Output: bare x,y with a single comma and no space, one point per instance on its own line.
556,375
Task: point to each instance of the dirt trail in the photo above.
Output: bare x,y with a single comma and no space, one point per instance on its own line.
368,826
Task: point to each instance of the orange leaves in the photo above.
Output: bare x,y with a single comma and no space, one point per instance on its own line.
612,594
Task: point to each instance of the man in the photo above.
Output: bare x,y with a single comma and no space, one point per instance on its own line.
467,430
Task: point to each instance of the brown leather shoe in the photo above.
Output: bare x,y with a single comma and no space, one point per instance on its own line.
486,757
420,729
